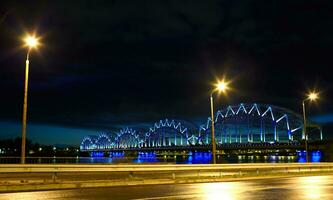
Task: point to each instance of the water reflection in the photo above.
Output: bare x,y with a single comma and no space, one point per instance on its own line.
96,160
200,158
314,156
97,154
153,157
146,157
117,154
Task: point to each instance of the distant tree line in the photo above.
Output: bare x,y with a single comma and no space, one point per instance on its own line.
12,147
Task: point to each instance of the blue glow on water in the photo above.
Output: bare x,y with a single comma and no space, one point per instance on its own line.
195,158
146,157
97,154
117,154
314,156
301,156
199,158
100,160
302,159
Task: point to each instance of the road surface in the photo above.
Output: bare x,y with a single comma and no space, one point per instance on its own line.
309,187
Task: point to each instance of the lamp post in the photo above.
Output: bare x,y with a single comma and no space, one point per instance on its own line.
221,86
310,97
30,42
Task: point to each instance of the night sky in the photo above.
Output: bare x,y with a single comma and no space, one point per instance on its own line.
104,65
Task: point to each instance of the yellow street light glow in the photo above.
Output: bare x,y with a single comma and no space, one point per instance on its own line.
31,41
221,86
313,96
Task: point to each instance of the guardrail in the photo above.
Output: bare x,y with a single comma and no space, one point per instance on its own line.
19,168
89,175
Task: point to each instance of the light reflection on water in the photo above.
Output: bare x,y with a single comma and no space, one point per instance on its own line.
146,157
314,156
203,158
151,157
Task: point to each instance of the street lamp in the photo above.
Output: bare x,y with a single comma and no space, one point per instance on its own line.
221,86
312,96
30,42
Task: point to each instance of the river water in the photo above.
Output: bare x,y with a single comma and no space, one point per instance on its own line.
195,158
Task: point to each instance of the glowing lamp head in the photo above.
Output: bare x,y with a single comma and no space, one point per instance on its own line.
221,86
31,41
313,96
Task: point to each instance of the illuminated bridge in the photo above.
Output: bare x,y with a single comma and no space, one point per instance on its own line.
235,126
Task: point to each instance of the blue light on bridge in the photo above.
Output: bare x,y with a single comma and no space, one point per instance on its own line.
269,124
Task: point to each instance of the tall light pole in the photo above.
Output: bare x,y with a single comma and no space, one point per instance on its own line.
30,42
221,86
310,97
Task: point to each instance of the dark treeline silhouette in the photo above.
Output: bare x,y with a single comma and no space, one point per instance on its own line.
12,147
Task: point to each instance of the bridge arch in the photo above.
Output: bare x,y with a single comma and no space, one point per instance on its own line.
88,142
245,123
104,141
127,138
169,133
